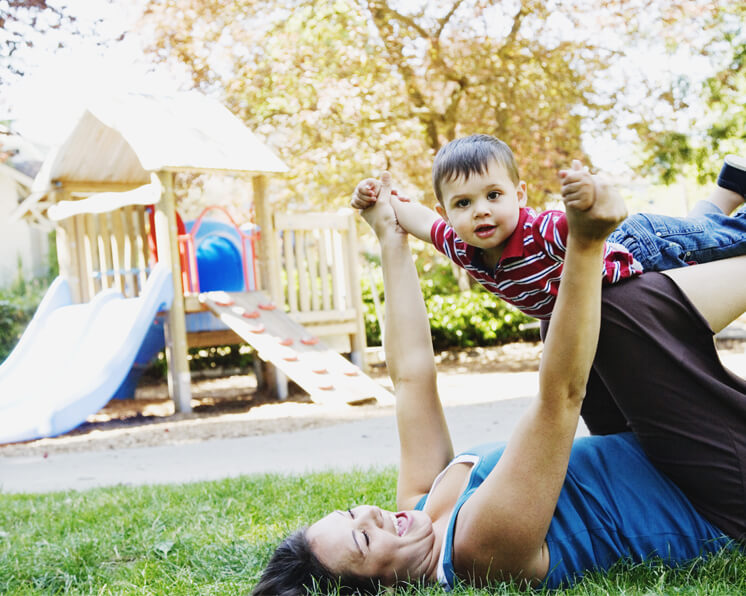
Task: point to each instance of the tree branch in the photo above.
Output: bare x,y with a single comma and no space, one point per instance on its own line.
444,21
517,22
380,12
408,21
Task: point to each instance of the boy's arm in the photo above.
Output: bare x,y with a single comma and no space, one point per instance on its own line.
415,218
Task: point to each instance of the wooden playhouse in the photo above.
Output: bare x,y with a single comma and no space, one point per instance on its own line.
301,305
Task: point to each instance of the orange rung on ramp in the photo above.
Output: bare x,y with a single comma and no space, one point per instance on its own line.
271,331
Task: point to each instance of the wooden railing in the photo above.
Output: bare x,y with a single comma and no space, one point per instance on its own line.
100,250
320,281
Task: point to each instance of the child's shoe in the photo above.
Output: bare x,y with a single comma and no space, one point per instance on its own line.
733,174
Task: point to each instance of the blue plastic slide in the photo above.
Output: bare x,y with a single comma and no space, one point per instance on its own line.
220,267
73,357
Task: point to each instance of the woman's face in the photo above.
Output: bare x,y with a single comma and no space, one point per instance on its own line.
371,542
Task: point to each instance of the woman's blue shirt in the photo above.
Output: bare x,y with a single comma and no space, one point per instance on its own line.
614,505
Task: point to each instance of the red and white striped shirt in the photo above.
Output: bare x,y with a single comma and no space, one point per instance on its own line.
528,273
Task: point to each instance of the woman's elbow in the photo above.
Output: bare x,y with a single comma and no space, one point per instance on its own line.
569,394
424,376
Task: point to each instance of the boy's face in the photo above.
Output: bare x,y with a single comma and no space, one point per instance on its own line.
483,209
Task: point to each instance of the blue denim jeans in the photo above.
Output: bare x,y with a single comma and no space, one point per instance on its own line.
662,242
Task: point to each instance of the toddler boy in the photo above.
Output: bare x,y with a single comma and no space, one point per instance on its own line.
482,223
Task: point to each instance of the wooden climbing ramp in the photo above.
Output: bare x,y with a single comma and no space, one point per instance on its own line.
324,374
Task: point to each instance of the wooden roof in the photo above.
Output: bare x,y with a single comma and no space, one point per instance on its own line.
121,141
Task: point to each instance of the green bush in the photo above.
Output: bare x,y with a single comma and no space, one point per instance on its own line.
457,319
13,320
436,277
18,303
370,316
475,318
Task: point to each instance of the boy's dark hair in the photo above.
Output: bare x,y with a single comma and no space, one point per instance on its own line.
294,570
471,155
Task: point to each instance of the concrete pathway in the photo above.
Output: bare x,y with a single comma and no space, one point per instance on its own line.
473,415
363,443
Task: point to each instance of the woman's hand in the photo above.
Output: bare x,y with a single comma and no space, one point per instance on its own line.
593,224
380,215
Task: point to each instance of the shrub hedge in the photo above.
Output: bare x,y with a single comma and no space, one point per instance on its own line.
17,306
457,319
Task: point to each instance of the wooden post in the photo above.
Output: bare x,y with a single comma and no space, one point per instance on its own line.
166,236
69,251
267,255
269,273
65,247
353,279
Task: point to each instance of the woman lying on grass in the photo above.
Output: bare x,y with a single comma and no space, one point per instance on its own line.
544,509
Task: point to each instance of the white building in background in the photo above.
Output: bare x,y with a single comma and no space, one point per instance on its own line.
21,243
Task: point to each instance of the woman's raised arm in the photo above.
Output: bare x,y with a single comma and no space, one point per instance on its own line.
424,439
502,528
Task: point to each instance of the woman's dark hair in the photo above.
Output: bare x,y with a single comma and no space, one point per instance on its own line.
294,570
471,155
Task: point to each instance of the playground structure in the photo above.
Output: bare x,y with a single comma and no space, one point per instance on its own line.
121,158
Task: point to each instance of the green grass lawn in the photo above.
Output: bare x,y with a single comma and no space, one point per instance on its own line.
214,537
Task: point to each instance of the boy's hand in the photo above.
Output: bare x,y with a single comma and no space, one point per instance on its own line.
578,187
366,194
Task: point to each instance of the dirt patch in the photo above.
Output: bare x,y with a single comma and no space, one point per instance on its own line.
232,406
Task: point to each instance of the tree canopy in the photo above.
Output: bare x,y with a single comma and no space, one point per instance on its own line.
701,140
346,88
19,20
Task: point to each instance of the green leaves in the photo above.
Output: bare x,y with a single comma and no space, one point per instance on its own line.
457,319
17,306
695,145
475,318
344,90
